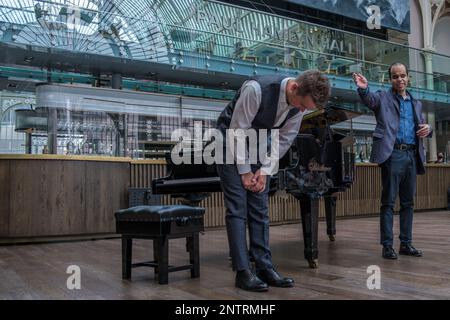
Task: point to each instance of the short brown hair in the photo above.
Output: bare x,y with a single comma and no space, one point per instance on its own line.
315,84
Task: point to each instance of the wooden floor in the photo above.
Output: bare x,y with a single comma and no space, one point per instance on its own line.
38,271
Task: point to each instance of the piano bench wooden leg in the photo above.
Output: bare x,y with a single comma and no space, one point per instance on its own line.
161,257
155,253
127,246
188,245
194,254
163,260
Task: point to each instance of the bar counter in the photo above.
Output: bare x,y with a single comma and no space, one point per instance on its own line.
46,197
56,197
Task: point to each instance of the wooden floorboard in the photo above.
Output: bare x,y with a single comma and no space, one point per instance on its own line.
38,271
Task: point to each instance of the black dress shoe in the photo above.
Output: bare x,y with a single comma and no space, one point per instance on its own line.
389,253
409,250
273,278
247,280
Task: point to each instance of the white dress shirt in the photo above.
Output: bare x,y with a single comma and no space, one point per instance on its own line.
247,107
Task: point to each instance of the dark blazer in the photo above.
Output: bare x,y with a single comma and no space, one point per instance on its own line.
386,107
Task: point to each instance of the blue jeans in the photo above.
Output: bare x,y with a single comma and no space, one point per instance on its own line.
398,175
245,207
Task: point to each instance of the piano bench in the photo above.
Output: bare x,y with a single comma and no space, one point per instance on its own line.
160,223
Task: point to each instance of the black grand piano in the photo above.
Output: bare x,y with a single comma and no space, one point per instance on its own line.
319,163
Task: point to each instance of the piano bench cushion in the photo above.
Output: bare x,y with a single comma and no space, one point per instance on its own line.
159,213
158,221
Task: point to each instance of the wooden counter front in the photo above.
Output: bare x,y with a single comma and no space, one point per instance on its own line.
50,195
362,199
62,157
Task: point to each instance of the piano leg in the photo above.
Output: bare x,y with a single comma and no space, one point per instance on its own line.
310,212
330,212
194,254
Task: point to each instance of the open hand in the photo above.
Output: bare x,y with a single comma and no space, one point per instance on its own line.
360,80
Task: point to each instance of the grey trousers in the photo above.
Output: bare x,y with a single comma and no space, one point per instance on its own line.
245,207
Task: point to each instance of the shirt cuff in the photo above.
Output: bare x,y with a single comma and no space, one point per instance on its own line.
266,171
363,91
243,168
270,168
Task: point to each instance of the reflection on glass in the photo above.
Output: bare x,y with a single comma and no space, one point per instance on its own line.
104,134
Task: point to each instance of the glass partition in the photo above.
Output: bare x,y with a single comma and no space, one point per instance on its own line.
82,120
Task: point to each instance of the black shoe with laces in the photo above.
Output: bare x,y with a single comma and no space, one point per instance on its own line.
274,279
389,253
409,250
247,280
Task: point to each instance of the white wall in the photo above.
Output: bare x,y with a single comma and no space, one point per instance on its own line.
442,36
416,36
441,41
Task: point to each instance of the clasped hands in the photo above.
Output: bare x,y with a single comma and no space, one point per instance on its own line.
254,182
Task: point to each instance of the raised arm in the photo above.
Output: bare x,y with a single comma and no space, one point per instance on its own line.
370,99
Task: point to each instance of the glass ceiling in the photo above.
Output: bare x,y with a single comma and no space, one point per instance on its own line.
136,29
115,28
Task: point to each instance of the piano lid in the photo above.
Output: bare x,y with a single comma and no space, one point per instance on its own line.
329,115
